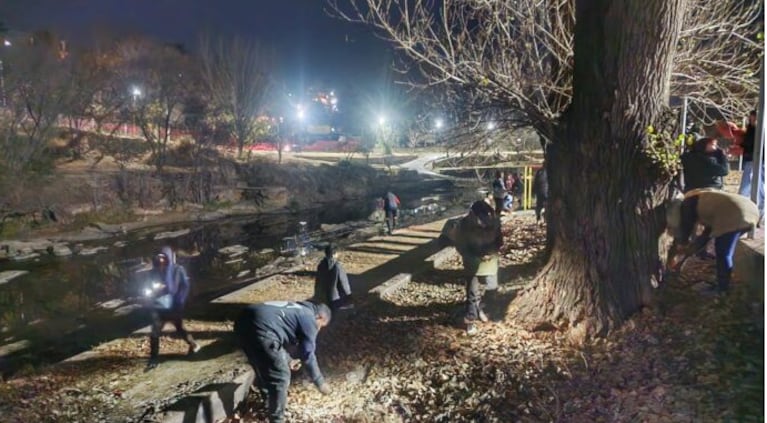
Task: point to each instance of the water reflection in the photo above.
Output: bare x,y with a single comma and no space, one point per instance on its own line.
61,295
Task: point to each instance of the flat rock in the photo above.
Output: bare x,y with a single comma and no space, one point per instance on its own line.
234,250
111,304
214,215
91,251
24,257
333,228
7,275
172,234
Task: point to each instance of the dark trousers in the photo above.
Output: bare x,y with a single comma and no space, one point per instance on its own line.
391,220
474,294
159,319
270,363
499,205
725,252
540,204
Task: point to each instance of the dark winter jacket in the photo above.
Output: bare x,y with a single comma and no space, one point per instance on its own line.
499,188
748,143
477,237
541,183
391,201
331,285
289,323
704,170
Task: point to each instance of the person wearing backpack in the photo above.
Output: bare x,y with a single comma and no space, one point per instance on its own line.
391,205
168,299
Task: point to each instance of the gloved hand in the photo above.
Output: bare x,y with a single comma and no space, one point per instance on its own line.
325,389
295,365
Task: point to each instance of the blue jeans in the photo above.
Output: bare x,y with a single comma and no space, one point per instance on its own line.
725,252
745,184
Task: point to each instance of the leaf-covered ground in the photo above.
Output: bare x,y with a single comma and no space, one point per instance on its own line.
690,358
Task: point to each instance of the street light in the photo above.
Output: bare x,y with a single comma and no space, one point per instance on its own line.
381,120
438,123
490,126
3,101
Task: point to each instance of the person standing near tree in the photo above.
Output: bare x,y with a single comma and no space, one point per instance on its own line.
499,191
478,239
747,145
541,191
265,330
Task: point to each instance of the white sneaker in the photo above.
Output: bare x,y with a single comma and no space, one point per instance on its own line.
471,329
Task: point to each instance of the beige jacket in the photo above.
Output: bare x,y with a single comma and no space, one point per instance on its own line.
724,212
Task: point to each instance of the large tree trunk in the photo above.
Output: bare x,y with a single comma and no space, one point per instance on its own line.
605,197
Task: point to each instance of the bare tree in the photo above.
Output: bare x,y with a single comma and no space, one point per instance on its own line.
37,92
236,74
160,78
589,76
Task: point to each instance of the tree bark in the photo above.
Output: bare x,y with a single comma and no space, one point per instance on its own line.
605,200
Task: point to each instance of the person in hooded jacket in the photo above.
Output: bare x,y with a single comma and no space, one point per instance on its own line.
331,284
478,239
266,330
168,303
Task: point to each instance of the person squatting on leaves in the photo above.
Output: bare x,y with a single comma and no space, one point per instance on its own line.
391,205
331,284
265,331
723,215
168,298
478,238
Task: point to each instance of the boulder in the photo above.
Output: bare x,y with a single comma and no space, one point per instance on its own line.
60,250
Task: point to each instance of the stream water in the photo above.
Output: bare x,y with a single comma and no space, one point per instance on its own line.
64,305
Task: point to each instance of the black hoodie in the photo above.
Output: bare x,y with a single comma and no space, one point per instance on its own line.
331,284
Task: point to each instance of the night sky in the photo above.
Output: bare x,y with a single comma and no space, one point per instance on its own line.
312,47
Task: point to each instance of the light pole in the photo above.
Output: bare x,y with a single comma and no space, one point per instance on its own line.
3,101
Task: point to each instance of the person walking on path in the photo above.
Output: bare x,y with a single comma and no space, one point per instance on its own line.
478,239
725,217
264,332
391,207
331,285
168,299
